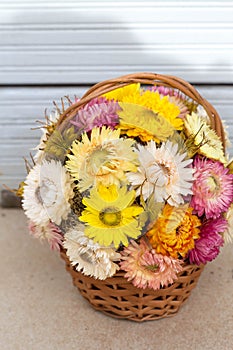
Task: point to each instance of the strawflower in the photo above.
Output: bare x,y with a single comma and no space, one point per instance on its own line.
175,231
97,113
111,216
49,232
204,137
163,172
160,105
89,257
104,158
212,188
138,121
147,269
127,92
47,192
207,247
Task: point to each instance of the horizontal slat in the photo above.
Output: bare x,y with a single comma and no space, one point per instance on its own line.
91,74
19,132
53,59
15,148
113,38
107,3
38,95
15,167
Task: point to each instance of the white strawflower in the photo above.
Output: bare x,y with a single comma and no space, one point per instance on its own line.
48,189
163,171
89,257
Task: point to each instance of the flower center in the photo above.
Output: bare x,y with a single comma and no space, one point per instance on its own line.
152,268
110,216
46,193
212,183
97,158
87,257
165,169
159,173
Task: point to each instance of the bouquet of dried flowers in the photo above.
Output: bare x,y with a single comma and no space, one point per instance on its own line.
135,179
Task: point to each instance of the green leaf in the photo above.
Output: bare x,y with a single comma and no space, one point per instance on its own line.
58,144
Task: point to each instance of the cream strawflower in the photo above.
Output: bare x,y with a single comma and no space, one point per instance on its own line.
163,171
104,158
205,138
47,191
89,257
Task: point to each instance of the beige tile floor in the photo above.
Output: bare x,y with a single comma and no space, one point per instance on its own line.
40,308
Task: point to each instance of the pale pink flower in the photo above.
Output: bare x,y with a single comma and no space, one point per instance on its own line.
50,232
147,269
212,188
97,113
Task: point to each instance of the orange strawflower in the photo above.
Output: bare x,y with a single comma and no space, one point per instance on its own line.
175,231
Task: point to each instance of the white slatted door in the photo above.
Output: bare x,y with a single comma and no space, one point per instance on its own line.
86,41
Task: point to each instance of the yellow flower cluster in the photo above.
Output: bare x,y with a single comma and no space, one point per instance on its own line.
158,126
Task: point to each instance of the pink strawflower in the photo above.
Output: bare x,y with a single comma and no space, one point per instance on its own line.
212,188
98,112
51,232
147,269
164,90
207,247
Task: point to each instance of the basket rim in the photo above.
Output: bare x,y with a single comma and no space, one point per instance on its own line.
119,275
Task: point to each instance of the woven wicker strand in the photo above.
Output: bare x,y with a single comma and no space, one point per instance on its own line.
116,296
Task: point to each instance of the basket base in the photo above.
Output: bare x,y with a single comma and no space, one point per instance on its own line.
118,298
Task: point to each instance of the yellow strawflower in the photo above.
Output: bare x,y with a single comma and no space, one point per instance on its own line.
146,114
110,215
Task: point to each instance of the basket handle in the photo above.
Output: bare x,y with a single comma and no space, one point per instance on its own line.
146,79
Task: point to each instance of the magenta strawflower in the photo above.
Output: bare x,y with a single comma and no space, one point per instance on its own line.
50,232
98,112
207,247
147,269
212,188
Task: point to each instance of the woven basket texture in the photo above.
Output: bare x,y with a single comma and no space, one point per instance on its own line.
116,296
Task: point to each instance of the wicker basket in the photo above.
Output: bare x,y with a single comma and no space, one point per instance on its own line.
116,296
